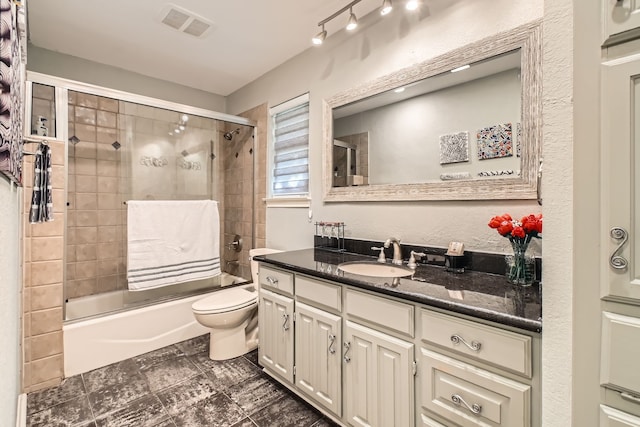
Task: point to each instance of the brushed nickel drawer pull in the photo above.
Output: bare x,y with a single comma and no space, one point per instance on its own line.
475,408
474,346
272,281
285,318
630,397
616,261
332,340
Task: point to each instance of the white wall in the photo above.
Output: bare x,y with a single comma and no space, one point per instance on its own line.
108,76
10,306
380,46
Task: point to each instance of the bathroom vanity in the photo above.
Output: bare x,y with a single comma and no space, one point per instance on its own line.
433,349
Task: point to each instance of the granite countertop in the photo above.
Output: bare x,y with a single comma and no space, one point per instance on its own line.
481,295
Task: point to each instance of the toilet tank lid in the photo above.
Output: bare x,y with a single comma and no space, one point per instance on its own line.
225,299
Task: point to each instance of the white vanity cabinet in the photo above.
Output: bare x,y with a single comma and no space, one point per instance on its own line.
379,360
370,360
378,379
317,356
275,317
454,382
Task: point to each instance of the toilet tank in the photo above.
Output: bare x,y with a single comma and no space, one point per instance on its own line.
254,264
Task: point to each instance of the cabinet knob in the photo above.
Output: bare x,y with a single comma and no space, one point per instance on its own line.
285,322
272,281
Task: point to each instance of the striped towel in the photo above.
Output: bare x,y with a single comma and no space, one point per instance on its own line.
41,201
171,241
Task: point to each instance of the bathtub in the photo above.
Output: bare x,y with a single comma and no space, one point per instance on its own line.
99,341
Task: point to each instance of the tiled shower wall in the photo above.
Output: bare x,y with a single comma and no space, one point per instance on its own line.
43,246
95,215
244,190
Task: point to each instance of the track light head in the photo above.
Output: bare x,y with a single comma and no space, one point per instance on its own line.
412,4
386,7
318,39
353,21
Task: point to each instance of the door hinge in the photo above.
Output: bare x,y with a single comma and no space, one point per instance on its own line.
294,371
414,368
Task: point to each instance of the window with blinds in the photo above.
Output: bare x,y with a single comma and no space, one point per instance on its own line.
291,151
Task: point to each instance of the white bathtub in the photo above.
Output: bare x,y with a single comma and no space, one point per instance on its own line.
100,341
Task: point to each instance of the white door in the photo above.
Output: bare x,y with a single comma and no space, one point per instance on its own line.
378,388
620,192
317,354
275,331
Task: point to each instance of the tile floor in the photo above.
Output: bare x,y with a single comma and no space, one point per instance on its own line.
174,386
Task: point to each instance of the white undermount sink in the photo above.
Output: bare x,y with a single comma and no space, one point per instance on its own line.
375,269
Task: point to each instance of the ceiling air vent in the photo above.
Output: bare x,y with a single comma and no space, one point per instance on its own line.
185,21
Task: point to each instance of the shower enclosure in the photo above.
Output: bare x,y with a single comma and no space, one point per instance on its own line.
124,147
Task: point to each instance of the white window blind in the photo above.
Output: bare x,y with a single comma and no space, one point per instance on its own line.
291,151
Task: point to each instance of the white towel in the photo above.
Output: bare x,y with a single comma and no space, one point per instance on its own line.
171,241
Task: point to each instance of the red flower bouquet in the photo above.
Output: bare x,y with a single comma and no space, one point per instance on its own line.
519,269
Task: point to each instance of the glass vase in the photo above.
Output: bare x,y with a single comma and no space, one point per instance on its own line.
520,267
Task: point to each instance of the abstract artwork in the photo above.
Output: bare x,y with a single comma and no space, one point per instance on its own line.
454,148
11,88
495,141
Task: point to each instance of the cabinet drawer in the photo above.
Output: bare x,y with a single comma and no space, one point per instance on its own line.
610,417
276,279
620,351
317,292
469,396
502,348
380,311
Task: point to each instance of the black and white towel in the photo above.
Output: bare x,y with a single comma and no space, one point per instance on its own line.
171,241
41,199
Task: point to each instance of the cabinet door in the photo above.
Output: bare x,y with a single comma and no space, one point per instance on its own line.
275,332
620,191
378,378
620,16
317,349
620,352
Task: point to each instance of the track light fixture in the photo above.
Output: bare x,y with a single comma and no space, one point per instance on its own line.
412,4
319,38
385,9
353,21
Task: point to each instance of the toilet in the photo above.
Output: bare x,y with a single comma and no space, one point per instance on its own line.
232,315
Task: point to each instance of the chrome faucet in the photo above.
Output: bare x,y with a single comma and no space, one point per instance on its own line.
397,253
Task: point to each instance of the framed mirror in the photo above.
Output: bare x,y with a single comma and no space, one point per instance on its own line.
462,126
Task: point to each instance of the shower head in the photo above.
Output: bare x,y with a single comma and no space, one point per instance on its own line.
229,135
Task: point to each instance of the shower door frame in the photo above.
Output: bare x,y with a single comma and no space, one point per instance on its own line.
62,87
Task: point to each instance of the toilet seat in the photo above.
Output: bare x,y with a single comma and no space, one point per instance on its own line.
225,300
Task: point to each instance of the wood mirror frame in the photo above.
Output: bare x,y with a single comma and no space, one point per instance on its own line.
525,186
